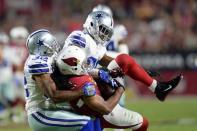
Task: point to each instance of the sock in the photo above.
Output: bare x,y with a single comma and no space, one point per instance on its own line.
144,125
153,85
132,69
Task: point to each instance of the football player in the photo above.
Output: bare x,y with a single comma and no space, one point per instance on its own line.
98,29
117,43
71,62
41,92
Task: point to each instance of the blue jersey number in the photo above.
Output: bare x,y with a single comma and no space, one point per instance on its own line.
111,46
26,90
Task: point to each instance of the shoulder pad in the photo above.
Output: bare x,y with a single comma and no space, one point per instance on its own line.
77,38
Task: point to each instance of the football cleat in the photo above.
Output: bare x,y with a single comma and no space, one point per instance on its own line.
164,88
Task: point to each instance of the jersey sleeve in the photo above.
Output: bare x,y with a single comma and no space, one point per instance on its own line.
102,52
76,38
40,65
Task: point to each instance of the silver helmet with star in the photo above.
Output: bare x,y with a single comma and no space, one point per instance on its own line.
99,25
42,42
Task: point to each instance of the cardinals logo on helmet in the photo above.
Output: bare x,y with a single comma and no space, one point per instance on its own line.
71,61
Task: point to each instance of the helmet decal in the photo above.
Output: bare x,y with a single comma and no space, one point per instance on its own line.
43,43
71,61
40,42
99,15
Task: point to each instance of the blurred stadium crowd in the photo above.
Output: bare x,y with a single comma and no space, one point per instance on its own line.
153,26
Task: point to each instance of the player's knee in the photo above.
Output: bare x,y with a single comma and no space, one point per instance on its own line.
124,60
144,125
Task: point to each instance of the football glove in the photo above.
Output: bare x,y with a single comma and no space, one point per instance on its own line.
104,76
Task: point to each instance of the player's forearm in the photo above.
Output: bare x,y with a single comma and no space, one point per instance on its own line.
114,99
105,60
106,107
47,85
61,96
103,107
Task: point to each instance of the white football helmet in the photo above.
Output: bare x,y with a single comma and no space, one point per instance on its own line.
100,26
70,61
42,42
103,8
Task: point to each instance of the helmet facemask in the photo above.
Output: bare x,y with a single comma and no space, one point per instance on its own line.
105,33
52,49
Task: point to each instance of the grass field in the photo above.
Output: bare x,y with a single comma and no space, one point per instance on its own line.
175,114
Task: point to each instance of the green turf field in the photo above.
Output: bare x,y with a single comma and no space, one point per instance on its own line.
175,114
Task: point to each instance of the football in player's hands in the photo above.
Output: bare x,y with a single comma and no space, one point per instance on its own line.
116,72
106,90
117,84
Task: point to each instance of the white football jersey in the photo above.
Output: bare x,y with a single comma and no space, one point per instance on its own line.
84,40
35,98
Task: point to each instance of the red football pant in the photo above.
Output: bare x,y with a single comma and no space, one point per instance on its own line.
132,69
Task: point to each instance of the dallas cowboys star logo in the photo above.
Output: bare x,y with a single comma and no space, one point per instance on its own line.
40,42
98,16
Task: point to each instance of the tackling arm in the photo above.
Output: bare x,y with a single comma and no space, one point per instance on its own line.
98,104
49,88
105,60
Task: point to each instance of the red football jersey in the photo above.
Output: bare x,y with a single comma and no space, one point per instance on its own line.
78,104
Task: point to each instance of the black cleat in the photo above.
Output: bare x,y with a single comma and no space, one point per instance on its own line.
164,88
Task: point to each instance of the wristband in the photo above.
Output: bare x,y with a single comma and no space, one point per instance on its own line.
89,89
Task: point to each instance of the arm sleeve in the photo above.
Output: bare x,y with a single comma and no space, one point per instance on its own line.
40,65
76,38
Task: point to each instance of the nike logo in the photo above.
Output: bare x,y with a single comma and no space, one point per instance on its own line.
170,86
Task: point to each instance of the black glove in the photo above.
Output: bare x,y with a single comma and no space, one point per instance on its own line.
164,88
